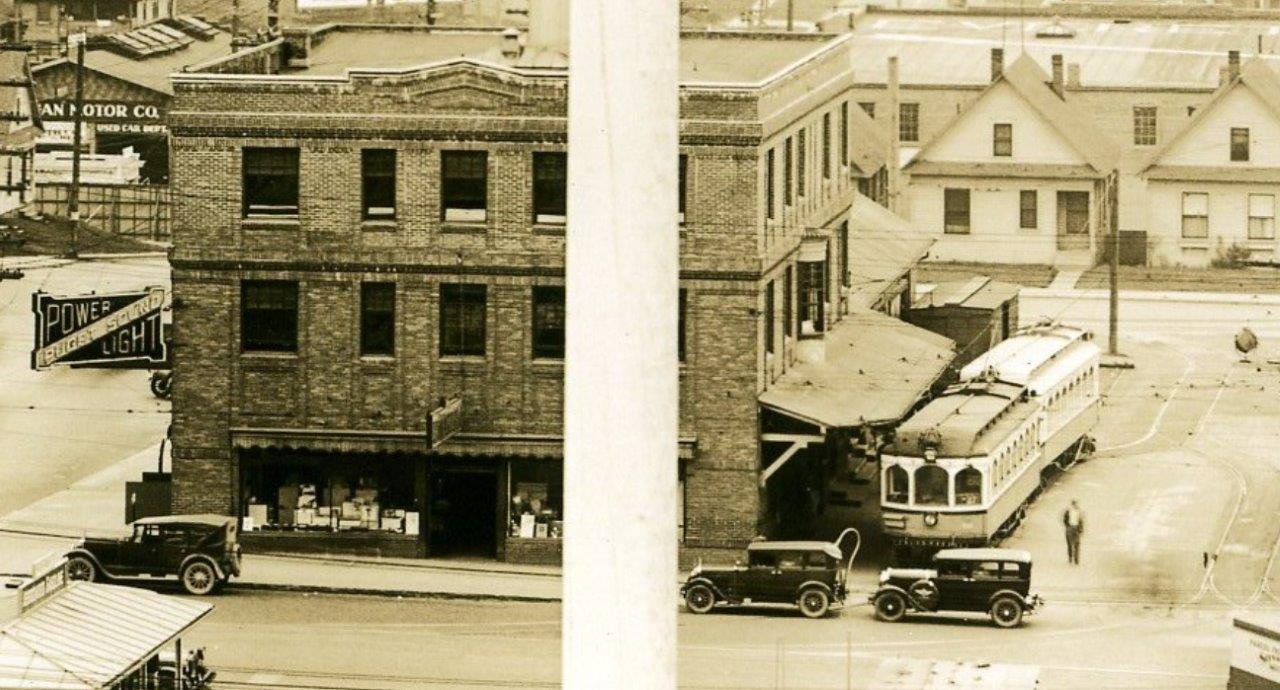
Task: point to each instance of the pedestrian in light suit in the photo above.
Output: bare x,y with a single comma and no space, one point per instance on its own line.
1073,523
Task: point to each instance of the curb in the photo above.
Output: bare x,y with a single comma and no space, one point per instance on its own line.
330,560
389,593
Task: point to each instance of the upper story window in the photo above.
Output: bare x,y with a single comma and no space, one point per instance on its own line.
1239,143
463,310
1262,216
955,211
826,146
378,183
786,302
812,296
269,316
378,319
270,182
1195,215
682,182
844,133
681,339
464,185
549,180
909,122
1028,208
44,12
1002,139
769,195
768,318
548,322
786,172
1144,125
802,165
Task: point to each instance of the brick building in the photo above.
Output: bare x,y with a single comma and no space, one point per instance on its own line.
375,231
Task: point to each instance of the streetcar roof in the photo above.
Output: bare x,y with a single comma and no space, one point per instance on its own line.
1017,359
981,554
969,420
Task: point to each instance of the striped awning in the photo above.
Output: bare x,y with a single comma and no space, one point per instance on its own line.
330,440
525,446
90,636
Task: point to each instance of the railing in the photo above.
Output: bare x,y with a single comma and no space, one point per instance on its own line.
48,576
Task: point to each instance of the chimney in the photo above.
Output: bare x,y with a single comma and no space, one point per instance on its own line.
1057,76
511,44
549,25
997,63
1233,64
1073,75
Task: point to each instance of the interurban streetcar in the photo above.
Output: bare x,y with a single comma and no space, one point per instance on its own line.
962,469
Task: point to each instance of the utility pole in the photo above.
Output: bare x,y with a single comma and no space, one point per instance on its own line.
235,19
73,196
791,14
622,281
1113,198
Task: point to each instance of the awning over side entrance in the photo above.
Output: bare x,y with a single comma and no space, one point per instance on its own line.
526,446
872,370
882,249
91,636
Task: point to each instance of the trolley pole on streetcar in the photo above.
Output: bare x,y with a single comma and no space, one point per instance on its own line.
1113,198
621,401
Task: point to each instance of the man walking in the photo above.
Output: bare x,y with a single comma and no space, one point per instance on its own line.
1073,523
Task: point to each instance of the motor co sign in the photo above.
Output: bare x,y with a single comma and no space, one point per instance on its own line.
103,111
98,328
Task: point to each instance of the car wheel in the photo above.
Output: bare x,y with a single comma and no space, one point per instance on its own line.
1006,612
81,568
699,599
890,606
199,578
814,602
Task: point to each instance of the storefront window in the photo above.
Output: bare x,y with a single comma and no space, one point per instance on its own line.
896,480
931,486
968,487
536,488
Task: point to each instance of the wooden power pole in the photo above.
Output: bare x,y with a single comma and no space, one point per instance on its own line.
73,195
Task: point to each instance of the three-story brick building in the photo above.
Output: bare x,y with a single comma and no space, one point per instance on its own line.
370,227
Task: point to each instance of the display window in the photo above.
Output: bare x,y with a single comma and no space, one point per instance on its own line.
535,509
330,493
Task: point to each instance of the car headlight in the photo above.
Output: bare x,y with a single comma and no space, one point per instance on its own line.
884,576
697,569
931,519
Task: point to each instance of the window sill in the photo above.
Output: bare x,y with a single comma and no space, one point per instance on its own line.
550,229
464,359
1261,243
270,223
268,355
1190,243
548,362
378,360
379,224
457,227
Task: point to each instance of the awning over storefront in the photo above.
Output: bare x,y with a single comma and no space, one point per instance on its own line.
883,248
90,636
330,440
872,370
524,446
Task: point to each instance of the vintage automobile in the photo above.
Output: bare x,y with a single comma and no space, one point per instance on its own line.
810,574
200,549
988,580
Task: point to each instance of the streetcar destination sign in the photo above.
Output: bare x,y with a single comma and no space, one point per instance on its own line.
85,329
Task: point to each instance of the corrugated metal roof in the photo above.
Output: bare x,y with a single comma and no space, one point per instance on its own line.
873,370
89,635
1148,53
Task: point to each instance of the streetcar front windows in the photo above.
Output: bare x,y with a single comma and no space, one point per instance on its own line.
931,486
968,487
896,485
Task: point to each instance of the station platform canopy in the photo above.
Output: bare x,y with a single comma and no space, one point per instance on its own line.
88,636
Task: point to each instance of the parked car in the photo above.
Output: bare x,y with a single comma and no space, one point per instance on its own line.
201,550
813,575
988,580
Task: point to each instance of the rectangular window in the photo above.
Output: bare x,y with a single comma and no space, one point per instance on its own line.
44,12
1239,143
786,303
377,318
270,178
802,162
812,296
869,108
268,316
378,183
1028,208
464,183
909,122
683,182
681,340
768,318
1144,125
1262,217
826,146
768,184
844,133
843,236
786,172
549,187
1195,215
548,322
462,319
1002,139
955,211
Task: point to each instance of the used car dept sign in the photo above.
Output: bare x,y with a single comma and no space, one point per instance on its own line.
97,328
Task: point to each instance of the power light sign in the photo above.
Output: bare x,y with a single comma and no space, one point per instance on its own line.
86,329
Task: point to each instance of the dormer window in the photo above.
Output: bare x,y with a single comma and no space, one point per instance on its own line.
1002,140
1240,144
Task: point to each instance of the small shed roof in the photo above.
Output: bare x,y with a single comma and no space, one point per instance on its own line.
980,292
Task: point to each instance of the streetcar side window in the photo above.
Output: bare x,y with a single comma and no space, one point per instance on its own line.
896,481
968,486
932,483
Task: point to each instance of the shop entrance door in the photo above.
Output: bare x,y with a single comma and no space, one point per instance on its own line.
464,506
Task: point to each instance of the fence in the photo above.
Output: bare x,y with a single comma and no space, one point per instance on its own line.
139,210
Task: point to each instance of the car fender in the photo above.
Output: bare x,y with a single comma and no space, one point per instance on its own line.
81,551
815,583
217,569
911,601
1009,593
703,581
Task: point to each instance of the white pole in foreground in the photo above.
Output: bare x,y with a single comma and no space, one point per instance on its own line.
621,376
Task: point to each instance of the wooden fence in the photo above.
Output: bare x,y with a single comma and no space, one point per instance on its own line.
139,210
